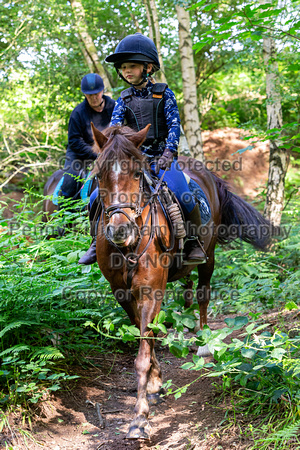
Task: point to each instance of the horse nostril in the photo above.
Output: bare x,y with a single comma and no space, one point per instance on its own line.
123,231
110,230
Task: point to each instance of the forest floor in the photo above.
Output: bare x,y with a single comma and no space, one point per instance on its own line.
69,420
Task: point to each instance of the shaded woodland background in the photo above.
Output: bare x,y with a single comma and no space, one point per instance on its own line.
234,68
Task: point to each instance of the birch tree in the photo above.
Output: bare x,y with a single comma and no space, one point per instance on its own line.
278,156
154,34
88,46
190,107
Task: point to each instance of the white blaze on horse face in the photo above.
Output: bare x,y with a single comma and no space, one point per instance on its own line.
116,168
115,171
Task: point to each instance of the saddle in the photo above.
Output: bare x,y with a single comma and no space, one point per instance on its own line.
159,194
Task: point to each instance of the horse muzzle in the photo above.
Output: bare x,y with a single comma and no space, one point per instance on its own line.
122,235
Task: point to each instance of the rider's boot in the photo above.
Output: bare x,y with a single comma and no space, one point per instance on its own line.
195,253
90,256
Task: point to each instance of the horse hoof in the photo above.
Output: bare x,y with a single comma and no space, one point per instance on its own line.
139,429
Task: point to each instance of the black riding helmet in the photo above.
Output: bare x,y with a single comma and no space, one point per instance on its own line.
136,48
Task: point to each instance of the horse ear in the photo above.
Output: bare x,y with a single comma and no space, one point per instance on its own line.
138,138
99,139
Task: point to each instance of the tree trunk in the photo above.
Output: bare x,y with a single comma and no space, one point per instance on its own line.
278,156
190,107
89,52
145,2
161,74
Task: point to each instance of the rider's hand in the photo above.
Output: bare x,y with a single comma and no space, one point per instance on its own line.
164,161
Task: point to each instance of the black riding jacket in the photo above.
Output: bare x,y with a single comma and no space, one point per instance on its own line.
80,138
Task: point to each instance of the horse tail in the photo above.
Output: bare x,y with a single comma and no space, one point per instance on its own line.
241,220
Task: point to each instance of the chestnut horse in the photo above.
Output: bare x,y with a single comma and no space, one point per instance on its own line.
138,285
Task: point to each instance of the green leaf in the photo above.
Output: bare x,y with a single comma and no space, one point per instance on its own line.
197,5
187,365
188,321
161,317
289,306
162,328
278,353
237,322
210,7
134,330
248,353
178,350
72,257
86,269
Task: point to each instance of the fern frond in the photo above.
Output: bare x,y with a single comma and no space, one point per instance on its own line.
17,324
47,353
15,349
280,436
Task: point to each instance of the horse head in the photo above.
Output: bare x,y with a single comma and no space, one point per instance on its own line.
119,169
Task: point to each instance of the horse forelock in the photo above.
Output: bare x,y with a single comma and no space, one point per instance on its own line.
118,148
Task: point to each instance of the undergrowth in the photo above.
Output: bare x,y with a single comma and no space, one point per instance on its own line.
55,313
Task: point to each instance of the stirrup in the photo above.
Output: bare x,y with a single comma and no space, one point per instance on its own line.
199,260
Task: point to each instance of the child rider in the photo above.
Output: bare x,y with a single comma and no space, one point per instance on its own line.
135,60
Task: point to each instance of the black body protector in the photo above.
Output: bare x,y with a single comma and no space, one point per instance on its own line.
143,110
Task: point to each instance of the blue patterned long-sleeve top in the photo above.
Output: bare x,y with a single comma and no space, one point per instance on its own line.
171,114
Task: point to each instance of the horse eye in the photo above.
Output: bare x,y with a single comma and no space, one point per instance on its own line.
137,174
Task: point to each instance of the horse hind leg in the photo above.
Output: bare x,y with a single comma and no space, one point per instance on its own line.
203,297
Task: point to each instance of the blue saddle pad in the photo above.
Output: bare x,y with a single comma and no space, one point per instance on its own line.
205,210
86,188
55,195
84,191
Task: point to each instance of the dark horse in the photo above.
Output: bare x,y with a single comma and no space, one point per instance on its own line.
138,285
49,207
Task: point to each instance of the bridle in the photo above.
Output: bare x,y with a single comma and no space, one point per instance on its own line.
132,259
118,207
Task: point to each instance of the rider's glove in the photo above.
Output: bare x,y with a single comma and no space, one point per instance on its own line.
164,161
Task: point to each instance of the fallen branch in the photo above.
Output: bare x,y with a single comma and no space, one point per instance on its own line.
21,169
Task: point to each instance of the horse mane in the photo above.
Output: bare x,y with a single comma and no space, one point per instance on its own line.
118,148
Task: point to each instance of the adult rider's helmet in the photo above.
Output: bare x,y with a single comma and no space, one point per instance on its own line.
92,83
136,48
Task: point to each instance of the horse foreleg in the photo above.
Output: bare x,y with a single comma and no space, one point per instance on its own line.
154,386
140,427
147,369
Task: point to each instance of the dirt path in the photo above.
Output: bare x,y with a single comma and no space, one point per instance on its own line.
69,421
